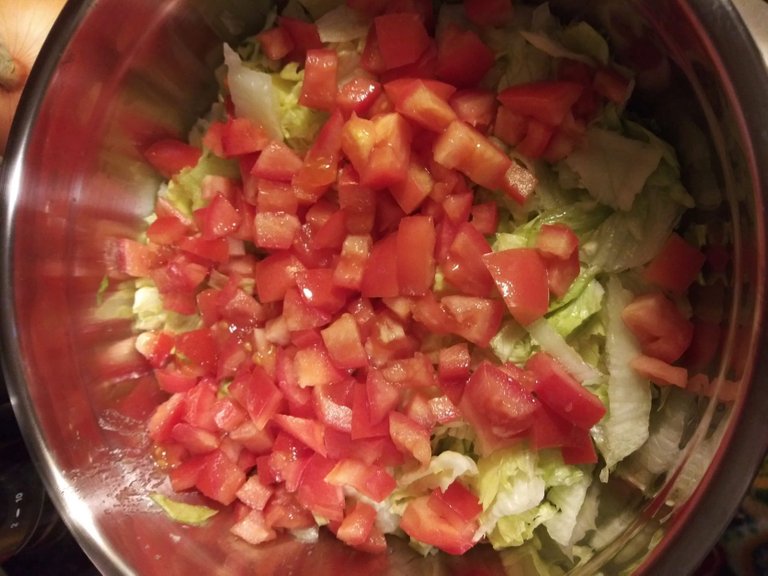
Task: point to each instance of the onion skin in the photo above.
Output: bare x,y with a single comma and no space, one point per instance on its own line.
24,25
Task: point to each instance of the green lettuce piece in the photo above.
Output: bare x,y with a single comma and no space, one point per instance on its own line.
587,302
630,239
568,500
148,311
298,123
614,167
441,472
185,190
584,39
625,427
513,486
512,343
182,512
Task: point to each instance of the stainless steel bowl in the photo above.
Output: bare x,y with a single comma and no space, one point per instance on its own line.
116,75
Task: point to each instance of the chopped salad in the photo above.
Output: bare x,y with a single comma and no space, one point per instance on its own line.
415,273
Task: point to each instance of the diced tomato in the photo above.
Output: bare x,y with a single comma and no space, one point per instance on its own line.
220,478
464,267
275,230
350,267
253,528
547,101
521,278
317,288
416,100
370,480
363,425
390,155
550,430
676,266
303,35
318,90
415,247
273,196
277,162
165,417
659,372
276,43
342,338
212,138
166,230
383,395
195,440
380,278
358,202
322,498
196,349
462,58
414,189
581,450
170,156
184,476
321,161
485,217
275,274
563,394
468,151
310,432
257,393
661,329
562,273
537,139
371,60
476,319
557,240
496,405
401,37
429,520
242,136
357,95
488,12
155,346
510,127
357,524
132,258
410,438
475,107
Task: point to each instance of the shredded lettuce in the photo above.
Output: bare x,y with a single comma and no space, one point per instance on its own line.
512,343
625,427
555,345
513,486
185,191
182,512
252,94
582,305
613,167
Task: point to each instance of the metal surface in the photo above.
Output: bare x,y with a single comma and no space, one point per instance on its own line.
116,75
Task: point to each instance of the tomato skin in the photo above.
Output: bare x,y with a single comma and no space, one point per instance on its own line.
170,156
547,101
496,404
315,493
475,319
463,265
521,278
563,394
661,329
676,265
411,438
357,95
220,478
419,102
380,278
276,43
369,479
277,162
463,148
415,248
257,393
401,37
462,57
342,338
241,136
430,520
304,36
319,87
357,524
581,451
